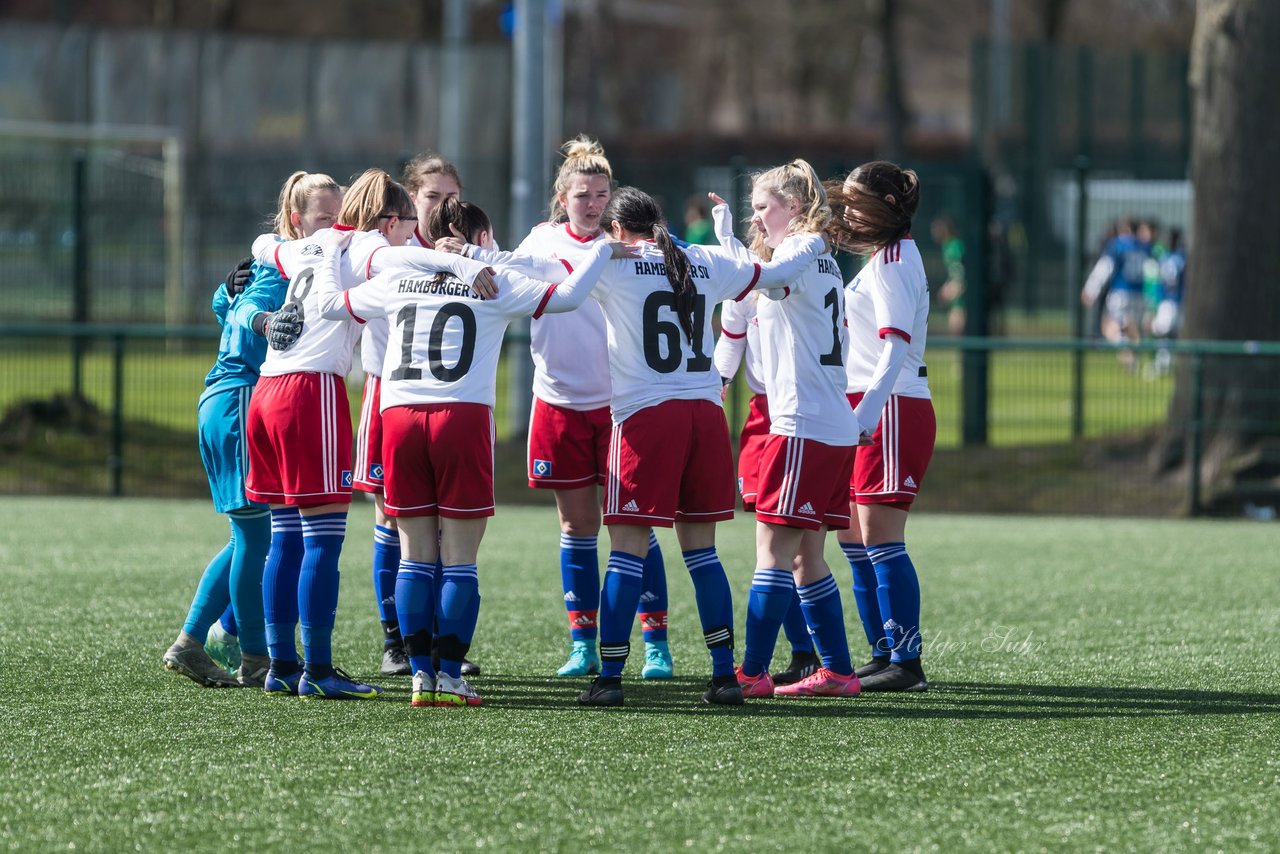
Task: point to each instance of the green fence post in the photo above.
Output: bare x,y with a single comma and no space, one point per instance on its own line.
116,461
1077,307
1197,433
79,267
975,361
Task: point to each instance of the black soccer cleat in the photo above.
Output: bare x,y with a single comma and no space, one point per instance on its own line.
470,668
897,677
395,661
723,691
872,667
802,664
606,691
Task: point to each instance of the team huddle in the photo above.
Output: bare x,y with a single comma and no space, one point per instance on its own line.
627,395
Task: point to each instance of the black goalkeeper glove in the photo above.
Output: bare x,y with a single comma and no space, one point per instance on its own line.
238,278
280,328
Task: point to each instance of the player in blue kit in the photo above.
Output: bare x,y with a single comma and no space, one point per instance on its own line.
307,202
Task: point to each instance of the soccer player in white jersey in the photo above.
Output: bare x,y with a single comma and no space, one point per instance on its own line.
438,395
887,306
569,424
808,455
430,179
669,461
299,434
739,343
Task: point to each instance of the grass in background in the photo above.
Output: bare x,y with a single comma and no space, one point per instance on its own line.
1103,684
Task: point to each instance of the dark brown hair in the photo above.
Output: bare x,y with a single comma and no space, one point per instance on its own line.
426,164
883,197
469,219
637,212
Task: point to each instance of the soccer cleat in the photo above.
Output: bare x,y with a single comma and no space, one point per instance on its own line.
756,687
896,677
604,691
253,669
223,647
583,660
337,686
872,667
395,661
281,686
723,691
821,683
454,692
188,658
470,668
657,661
424,690
802,664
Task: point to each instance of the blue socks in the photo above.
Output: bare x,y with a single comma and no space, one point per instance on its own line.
322,537
623,583
228,618
212,593
652,609
864,594
386,564
251,537
794,626
458,609
767,605
580,580
280,588
898,593
715,606
825,616
415,598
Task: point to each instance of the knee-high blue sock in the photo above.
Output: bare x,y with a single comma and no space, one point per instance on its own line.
251,534
898,591
580,580
864,594
280,588
228,618
322,537
715,606
416,610
623,581
767,604
825,616
386,565
459,596
652,609
211,594
794,626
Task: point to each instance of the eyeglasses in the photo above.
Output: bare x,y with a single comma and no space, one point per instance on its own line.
397,216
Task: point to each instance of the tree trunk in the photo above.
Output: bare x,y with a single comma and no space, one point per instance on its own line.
1234,256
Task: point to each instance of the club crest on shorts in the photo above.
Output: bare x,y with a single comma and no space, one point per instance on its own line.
542,468
375,471
346,477
740,485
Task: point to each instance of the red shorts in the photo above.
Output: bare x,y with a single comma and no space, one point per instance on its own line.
891,470
804,483
670,462
368,451
299,435
568,449
750,447
438,460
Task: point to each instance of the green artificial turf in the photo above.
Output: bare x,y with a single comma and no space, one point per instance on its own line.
1096,684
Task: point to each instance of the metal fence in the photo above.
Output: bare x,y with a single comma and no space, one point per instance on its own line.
1065,426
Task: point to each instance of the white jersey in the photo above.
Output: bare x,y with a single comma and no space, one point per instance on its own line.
740,342
802,343
889,295
324,346
373,336
570,351
445,339
650,358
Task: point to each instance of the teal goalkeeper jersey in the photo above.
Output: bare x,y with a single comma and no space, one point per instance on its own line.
241,350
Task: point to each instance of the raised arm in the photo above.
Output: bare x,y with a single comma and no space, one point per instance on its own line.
578,286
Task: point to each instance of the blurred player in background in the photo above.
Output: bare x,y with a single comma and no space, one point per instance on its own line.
807,459
438,397
887,307
245,310
669,462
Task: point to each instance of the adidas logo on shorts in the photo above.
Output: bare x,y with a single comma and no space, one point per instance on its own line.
806,509
631,507
910,482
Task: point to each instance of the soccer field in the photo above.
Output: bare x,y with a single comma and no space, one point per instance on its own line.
1096,684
